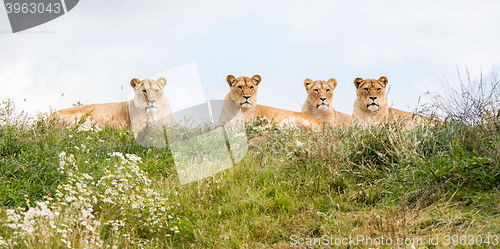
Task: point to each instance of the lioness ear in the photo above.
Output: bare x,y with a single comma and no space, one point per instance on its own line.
256,79
162,81
358,82
135,82
333,82
230,80
308,83
383,80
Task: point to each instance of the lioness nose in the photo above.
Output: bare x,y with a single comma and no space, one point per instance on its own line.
373,98
152,101
323,98
246,96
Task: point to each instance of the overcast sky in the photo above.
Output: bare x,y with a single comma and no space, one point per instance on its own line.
92,51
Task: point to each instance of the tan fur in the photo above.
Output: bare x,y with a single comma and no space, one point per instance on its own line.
318,102
149,104
241,101
371,105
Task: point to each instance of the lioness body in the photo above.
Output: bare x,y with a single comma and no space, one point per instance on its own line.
371,105
149,104
241,103
318,102
108,114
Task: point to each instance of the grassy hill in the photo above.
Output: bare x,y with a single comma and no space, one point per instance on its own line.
77,187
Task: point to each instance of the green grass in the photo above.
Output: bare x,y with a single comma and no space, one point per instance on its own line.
389,180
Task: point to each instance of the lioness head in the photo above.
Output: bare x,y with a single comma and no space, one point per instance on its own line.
320,93
244,90
371,92
148,93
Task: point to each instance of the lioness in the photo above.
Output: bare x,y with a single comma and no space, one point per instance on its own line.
242,99
318,102
371,106
149,104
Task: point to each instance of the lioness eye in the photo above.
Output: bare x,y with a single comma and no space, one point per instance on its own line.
378,89
240,87
327,90
144,91
156,91
366,89
251,88
316,90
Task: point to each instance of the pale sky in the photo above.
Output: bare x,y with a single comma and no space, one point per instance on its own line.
92,51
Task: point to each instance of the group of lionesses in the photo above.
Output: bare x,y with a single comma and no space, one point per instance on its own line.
370,106
151,103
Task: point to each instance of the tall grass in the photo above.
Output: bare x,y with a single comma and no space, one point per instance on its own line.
471,100
80,187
